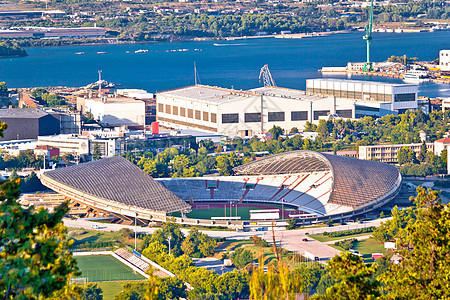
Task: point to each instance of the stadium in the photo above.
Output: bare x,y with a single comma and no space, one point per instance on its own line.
307,185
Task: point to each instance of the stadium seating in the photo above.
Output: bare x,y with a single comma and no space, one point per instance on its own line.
133,259
310,191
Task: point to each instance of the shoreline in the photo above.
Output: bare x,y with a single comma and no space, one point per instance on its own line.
204,39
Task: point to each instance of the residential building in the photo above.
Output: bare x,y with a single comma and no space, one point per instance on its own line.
388,153
444,60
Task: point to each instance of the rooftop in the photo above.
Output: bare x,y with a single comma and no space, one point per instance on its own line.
286,93
209,94
118,180
22,113
356,182
363,82
116,100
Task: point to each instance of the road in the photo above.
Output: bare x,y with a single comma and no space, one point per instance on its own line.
289,239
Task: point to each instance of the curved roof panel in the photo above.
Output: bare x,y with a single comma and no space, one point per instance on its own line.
356,182
284,163
117,179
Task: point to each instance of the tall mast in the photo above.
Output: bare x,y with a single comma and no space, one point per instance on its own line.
368,37
99,83
195,74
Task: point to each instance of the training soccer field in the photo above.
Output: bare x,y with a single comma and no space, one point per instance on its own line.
105,268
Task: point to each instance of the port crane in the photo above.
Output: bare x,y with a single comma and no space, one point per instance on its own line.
265,75
368,37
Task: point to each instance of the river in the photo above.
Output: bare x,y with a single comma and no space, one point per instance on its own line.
219,63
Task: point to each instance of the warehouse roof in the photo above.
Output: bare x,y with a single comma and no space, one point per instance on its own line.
116,179
356,182
280,92
210,94
22,113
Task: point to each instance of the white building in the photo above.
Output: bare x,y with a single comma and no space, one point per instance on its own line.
238,113
444,60
66,143
114,111
380,98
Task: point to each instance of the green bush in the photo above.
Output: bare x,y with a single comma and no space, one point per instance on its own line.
349,232
197,255
346,244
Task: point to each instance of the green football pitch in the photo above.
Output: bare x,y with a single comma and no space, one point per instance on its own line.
208,210
105,268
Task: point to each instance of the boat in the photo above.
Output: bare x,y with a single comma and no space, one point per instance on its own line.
79,53
416,76
101,52
141,51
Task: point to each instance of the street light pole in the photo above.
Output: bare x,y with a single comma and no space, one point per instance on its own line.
135,231
169,238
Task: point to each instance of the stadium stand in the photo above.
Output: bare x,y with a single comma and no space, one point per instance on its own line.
318,184
116,185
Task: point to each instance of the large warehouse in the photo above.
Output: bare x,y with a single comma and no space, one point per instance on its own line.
315,186
379,95
238,113
29,123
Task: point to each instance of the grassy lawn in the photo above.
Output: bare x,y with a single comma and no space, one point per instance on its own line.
370,246
366,248
82,236
105,268
110,288
323,238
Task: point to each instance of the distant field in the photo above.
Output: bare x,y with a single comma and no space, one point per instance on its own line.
208,210
110,288
105,268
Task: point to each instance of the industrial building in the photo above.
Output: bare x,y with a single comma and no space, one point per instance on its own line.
114,111
29,14
444,60
238,113
28,123
380,98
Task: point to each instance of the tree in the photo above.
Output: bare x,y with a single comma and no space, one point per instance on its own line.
406,155
422,157
395,227
278,283
97,154
294,130
241,257
276,131
36,260
172,288
424,270
91,291
353,279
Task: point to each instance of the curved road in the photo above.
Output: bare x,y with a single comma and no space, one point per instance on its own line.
288,239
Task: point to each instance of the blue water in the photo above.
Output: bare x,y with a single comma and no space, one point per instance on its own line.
220,63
